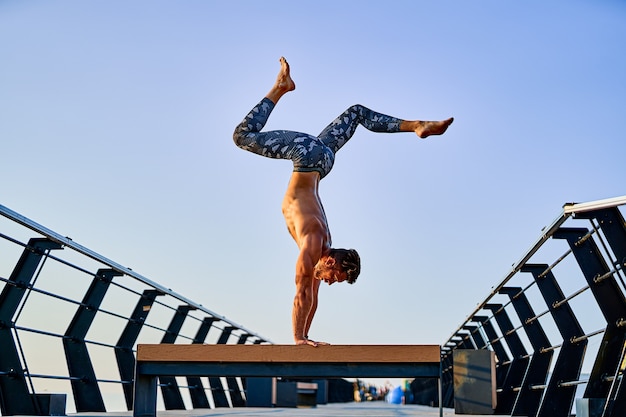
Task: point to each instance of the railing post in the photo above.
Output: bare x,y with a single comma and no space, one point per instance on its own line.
613,227
172,399
528,399
233,387
476,336
87,396
611,301
15,398
219,395
466,341
503,361
519,362
124,349
196,388
557,401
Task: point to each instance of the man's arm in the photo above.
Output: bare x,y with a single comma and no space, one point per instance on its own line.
309,319
306,291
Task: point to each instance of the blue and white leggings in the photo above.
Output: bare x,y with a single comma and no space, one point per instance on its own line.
308,152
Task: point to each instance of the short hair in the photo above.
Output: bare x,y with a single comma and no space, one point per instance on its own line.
350,262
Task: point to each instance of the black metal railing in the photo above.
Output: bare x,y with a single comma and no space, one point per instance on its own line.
557,321
70,320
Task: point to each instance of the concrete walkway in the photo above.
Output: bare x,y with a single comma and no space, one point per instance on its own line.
373,409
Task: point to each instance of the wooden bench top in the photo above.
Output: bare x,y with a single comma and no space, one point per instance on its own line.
289,361
289,353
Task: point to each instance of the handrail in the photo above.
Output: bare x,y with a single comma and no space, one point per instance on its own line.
569,209
68,242
87,297
550,351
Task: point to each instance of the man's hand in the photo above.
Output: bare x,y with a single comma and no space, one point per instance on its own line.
311,342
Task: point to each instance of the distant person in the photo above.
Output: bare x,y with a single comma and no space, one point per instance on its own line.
313,158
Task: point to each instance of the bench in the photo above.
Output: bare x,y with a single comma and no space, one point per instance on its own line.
288,361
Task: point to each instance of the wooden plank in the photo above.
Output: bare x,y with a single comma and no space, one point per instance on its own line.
290,353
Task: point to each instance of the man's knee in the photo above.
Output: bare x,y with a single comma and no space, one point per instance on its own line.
239,136
357,108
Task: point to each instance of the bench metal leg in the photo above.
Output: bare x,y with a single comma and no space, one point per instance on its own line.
145,396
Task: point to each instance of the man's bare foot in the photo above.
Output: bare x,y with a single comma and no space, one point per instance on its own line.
283,84
428,128
310,342
284,80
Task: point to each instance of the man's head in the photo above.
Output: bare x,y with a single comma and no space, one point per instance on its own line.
338,266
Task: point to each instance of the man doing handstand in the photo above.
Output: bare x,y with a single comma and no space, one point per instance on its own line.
313,158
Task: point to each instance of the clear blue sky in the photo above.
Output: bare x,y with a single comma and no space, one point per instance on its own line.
116,121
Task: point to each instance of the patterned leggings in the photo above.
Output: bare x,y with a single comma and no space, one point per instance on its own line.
308,153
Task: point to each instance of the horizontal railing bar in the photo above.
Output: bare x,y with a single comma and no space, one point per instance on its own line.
558,304
154,327
523,290
586,336
537,316
585,237
497,339
41,332
59,377
549,348
69,264
102,344
599,278
12,240
113,314
125,288
514,330
572,383
554,264
113,381
51,294
185,337
560,384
